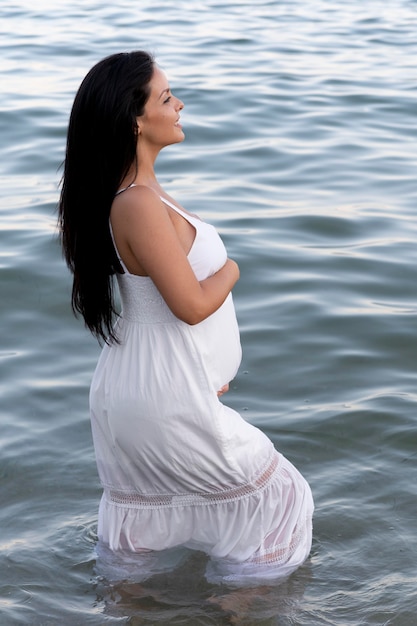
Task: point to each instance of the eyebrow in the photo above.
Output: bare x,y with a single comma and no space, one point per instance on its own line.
164,91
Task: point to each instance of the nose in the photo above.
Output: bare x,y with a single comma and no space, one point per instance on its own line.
180,104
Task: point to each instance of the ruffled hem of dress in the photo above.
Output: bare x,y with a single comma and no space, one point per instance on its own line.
265,534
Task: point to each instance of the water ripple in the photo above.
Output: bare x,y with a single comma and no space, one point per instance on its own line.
300,147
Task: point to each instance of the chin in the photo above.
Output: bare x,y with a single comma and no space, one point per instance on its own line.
173,142
180,139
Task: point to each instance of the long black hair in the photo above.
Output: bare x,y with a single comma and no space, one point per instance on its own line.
101,149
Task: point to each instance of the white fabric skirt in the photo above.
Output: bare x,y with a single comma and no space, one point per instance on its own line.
257,532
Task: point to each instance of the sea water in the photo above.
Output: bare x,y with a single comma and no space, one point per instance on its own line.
300,124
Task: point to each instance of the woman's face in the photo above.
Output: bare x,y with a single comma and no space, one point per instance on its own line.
159,125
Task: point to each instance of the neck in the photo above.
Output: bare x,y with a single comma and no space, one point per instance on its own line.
146,157
142,172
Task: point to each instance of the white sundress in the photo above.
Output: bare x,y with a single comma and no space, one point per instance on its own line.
179,469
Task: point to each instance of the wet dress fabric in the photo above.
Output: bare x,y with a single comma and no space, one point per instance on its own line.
180,469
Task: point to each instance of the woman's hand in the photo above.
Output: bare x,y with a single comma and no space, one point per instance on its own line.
223,390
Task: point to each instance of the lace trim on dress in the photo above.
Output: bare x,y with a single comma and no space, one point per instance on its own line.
281,553
138,500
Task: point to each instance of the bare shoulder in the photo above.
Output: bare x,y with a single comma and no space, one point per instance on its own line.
139,198
137,208
142,230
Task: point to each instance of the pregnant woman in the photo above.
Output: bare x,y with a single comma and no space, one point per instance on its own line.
178,468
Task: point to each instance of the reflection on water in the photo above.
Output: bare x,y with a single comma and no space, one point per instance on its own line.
300,147
183,597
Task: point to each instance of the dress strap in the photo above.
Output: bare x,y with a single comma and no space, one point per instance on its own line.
125,188
126,271
188,216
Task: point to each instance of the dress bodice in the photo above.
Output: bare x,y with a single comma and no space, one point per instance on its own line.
141,300
207,254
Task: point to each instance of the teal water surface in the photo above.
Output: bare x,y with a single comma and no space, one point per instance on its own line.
301,148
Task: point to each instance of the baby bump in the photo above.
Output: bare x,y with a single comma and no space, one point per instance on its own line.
219,344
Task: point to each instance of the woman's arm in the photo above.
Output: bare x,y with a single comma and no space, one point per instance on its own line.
144,232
